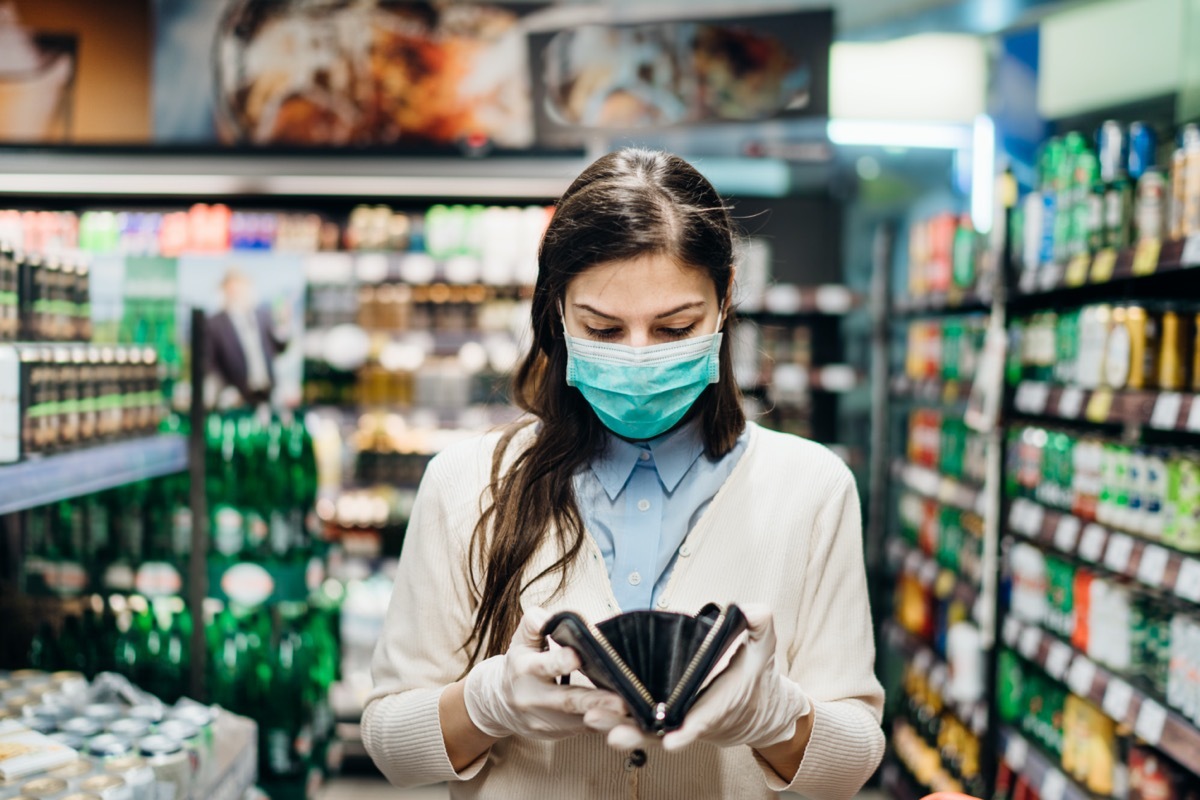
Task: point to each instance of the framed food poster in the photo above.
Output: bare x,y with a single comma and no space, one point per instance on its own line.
591,74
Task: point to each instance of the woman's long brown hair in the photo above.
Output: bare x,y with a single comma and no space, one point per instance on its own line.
627,204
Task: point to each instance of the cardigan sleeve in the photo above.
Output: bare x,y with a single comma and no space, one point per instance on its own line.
428,619
832,657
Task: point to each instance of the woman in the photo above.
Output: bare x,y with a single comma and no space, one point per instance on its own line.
636,484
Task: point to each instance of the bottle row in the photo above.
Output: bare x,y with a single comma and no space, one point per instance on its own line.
497,234
951,537
61,397
940,750
941,440
43,299
942,254
137,751
1105,757
1152,492
1135,346
944,349
395,306
1109,194
1130,632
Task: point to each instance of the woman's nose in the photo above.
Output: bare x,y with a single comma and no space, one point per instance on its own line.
639,337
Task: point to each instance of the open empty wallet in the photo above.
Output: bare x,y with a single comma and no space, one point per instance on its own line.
659,662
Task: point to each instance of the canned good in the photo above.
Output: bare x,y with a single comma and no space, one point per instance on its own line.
188,735
71,740
204,718
53,710
107,746
150,712
82,726
108,787
171,765
130,728
104,713
45,788
1191,179
15,703
75,769
70,682
40,723
1112,148
136,773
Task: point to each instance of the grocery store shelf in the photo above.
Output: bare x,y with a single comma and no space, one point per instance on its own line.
1127,704
946,393
931,666
48,479
1037,768
941,303
1168,411
806,302
946,490
236,769
1152,565
941,581
1147,258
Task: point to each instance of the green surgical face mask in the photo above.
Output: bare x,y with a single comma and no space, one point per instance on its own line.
642,392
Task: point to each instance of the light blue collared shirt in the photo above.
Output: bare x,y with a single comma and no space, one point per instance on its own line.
640,500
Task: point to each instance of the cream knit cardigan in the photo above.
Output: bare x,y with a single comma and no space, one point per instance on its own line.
784,530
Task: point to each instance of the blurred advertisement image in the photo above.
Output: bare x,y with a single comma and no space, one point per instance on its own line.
37,72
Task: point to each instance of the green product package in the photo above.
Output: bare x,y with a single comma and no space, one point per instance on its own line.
1010,689
1060,580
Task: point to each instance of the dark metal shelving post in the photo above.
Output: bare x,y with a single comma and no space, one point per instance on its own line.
198,561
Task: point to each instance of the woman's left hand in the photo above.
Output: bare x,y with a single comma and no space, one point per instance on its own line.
751,703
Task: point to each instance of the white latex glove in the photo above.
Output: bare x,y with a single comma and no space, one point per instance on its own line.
516,695
750,703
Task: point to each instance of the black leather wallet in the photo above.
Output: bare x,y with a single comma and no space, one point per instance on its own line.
657,661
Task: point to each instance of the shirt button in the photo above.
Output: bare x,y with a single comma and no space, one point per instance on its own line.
645,456
634,579
643,505
662,602
685,550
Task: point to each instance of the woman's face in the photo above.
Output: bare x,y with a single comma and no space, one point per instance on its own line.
644,301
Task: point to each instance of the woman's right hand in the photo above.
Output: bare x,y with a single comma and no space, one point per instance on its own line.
516,694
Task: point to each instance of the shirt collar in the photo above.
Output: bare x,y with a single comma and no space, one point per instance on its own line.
674,453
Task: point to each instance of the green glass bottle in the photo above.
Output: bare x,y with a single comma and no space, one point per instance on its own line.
286,732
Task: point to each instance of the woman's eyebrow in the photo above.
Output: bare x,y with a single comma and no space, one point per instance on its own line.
663,315
597,312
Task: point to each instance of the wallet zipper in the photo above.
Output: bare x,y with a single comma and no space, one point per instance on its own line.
692,666
622,666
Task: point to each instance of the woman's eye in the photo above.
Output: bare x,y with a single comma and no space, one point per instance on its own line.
679,333
603,333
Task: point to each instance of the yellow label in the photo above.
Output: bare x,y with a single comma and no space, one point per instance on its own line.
1145,258
1077,270
1099,405
1103,265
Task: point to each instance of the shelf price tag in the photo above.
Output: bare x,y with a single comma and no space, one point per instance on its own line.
1193,420
1031,639
1151,720
1070,403
1153,566
1166,411
1077,270
1191,252
1117,697
1145,257
1015,752
1103,265
1118,553
1100,405
1058,660
1187,583
1081,676
1066,534
1054,785
1091,546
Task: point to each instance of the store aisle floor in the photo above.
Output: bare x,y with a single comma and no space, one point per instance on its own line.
377,789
